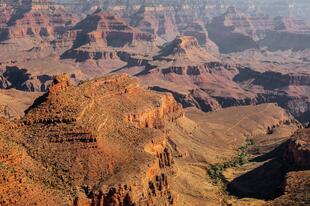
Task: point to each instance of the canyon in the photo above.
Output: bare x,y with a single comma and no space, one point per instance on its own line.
154,102
131,150
100,153
218,51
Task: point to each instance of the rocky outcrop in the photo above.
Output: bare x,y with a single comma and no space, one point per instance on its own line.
229,32
94,121
235,31
273,80
60,84
198,31
183,47
296,161
298,152
154,117
296,189
20,79
41,20
97,35
148,22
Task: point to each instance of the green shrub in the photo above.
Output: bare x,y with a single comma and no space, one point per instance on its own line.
215,171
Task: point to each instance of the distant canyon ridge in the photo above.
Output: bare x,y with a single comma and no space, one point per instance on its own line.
208,54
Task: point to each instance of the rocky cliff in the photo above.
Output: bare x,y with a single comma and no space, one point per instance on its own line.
101,35
296,160
6,11
236,31
115,134
21,79
194,74
41,20
297,154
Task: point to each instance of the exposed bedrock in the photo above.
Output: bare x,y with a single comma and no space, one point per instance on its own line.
297,155
288,90
275,40
40,20
272,80
298,107
94,121
14,77
227,40
83,55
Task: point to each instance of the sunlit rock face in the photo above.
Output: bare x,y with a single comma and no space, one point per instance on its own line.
123,147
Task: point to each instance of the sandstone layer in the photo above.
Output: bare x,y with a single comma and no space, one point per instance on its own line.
114,132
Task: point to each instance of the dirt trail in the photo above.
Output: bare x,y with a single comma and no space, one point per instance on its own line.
245,117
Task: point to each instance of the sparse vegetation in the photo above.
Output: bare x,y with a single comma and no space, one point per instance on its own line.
2,166
215,171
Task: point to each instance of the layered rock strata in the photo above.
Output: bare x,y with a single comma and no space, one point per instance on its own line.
114,133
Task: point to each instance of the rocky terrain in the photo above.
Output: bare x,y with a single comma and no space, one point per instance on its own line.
296,185
101,37
106,165
214,114
137,43
15,102
235,31
198,77
157,139
38,19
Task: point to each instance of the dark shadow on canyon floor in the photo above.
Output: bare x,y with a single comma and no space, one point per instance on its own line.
264,182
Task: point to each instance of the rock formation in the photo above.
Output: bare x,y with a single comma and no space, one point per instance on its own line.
193,74
284,88
101,35
114,132
296,159
235,31
37,19
297,154
14,77
156,21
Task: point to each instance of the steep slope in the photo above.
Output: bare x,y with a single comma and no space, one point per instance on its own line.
288,33
235,31
103,41
198,78
39,20
33,38
297,184
13,103
204,141
101,35
192,73
159,21
22,178
297,154
289,90
113,131
197,30
108,141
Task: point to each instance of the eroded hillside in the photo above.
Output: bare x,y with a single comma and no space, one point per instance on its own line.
109,142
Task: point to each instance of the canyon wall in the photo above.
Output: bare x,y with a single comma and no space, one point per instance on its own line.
115,133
